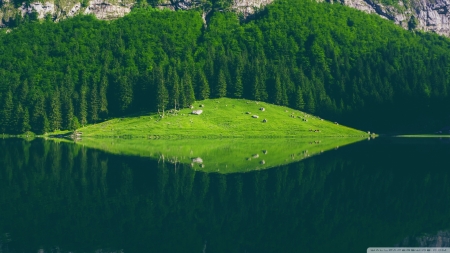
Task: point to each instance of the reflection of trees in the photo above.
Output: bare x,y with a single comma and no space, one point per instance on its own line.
82,199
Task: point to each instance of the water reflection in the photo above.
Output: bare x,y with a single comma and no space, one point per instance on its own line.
71,198
439,239
222,155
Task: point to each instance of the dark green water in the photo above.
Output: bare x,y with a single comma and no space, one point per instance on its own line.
64,197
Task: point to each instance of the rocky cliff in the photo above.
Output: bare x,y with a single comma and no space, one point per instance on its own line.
104,9
60,9
427,15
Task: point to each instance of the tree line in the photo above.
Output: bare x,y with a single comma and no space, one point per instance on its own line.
325,59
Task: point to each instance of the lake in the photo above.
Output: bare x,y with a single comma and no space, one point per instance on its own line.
67,197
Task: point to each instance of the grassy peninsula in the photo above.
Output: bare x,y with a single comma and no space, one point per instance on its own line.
222,117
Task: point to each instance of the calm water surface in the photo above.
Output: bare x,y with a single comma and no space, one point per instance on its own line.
68,198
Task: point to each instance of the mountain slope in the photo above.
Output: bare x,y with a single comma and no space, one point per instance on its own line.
328,60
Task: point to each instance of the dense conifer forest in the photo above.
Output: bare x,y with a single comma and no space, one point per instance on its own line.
325,59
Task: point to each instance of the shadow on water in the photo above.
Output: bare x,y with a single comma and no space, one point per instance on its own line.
62,197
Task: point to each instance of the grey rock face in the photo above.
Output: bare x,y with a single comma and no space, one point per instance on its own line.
431,15
248,7
41,8
102,9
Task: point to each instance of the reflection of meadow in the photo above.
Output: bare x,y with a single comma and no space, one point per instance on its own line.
222,155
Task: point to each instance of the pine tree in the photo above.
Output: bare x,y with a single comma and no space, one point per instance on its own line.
162,95
67,112
188,90
103,100
25,121
203,86
66,100
183,101
221,88
310,103
93,104
174,83
255,89
125,88
82,110
6,112
299,101
75,123
23,93
39,122
55,111
287,88
278,93
238,91
16,118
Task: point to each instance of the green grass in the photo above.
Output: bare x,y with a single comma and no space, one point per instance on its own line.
222,117
228,155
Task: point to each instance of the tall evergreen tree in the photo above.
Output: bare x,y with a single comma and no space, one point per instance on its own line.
238,90
18,113
174,84
310,103
68,113
277,91
6,112
103,99
94,104
125,88
83,110
39,121
221,88
25,121
188,90
23,92
55,111
299,101
203,86
162,95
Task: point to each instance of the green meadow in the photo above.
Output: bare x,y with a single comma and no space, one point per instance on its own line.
224,117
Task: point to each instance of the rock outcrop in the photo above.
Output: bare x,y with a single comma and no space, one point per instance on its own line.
426,15
102,9
248,7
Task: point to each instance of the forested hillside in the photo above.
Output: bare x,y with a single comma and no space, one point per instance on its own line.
325,59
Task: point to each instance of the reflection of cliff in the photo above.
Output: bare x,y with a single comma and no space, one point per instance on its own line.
67,196
440,239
